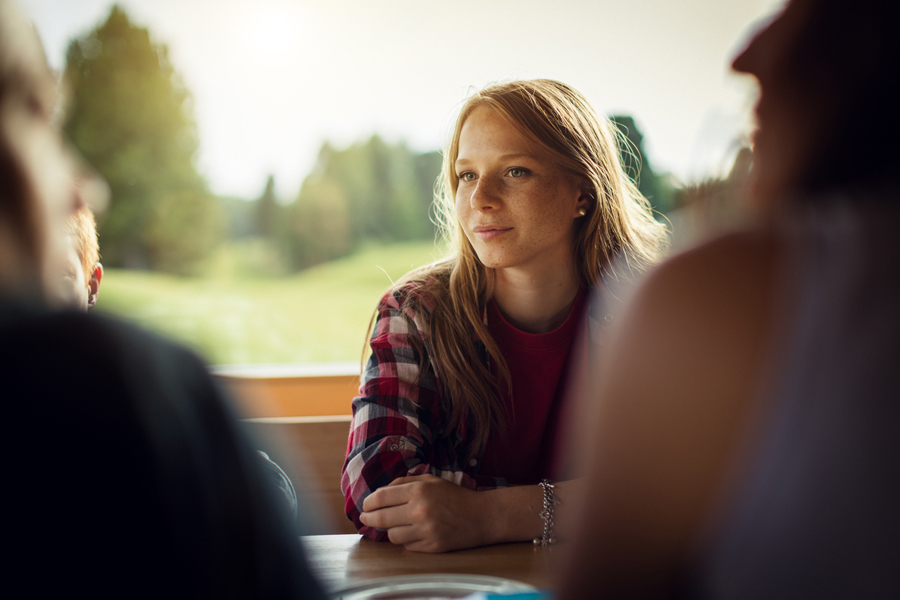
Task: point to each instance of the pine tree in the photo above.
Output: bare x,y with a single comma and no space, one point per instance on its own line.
637,166
268,211
131,116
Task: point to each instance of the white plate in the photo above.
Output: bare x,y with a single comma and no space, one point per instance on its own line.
437,585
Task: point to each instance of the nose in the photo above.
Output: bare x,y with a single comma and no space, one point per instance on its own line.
484,197
754,57
748,59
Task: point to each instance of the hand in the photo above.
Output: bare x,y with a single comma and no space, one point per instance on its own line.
425,513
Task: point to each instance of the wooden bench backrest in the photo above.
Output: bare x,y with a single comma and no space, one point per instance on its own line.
300,416
311,451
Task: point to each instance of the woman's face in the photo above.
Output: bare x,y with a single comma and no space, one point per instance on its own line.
789,114
517,208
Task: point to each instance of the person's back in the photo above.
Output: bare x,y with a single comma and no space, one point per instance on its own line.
128,475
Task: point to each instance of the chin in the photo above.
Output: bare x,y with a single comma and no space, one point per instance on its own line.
492,261
490,264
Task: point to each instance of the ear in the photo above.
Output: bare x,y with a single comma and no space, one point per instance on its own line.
586,200
94,285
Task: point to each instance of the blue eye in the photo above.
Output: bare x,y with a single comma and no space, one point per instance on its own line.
517,172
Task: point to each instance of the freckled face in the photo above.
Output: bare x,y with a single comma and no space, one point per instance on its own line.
517,208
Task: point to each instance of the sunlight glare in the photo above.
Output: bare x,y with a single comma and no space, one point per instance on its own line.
272,35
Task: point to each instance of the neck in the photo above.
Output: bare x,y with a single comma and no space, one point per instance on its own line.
536,303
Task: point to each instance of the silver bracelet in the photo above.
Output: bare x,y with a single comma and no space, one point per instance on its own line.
546,514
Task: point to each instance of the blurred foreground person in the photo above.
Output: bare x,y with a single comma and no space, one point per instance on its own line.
760,458
125,472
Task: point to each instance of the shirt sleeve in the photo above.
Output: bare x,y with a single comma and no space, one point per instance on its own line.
398,428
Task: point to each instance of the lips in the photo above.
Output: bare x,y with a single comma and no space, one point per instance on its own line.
488,232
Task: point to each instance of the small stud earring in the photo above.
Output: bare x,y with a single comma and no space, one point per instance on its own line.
582,212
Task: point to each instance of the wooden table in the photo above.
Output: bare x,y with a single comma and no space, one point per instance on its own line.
340,560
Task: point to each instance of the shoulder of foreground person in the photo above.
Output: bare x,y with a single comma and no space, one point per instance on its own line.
703,304
128,456
673,400
723,266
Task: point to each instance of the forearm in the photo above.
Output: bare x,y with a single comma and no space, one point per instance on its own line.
513,514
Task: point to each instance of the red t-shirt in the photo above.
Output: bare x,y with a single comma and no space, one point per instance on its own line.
538,367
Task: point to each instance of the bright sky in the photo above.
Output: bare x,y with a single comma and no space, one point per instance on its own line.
272,79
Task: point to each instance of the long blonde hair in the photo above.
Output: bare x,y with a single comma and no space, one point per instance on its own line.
618,224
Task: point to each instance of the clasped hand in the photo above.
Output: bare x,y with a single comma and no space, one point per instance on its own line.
425,513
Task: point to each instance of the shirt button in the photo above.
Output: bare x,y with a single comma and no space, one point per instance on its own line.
473,462
395,447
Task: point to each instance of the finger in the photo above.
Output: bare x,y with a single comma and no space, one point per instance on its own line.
385,497
411,479
386,518
404,535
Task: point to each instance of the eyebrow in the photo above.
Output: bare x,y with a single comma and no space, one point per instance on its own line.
513,155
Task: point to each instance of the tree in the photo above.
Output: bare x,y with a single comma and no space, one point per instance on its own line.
389,187
428,168
180,249
319,224
369,191
637,166
268,211
130,115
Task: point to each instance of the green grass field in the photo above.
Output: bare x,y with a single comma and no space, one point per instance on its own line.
238,314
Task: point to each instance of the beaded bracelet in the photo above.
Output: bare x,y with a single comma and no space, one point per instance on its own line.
546,514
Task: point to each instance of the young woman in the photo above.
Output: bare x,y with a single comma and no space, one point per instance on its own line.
760,459
457,422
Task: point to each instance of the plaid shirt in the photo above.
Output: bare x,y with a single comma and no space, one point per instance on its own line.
399,428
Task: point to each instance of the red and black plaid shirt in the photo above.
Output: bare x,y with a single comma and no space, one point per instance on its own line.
399,427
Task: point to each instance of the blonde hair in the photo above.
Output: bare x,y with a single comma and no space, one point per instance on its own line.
619,223
83,229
